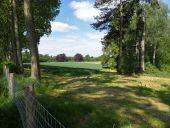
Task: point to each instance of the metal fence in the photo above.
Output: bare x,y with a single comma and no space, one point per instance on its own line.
32,113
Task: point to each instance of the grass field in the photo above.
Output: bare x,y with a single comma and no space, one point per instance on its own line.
84,98
85,65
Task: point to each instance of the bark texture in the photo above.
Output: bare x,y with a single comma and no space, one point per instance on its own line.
16,33
120,38
35,68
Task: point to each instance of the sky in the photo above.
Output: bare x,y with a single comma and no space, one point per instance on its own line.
72,32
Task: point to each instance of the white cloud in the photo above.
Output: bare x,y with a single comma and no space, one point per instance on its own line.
85,43
62,27
84,10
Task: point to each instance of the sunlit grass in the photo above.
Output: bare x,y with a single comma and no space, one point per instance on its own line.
100,98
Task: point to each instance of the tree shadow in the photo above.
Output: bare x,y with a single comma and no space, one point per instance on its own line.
87,102
99,106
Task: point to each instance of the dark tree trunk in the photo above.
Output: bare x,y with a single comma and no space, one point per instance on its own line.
13,53
16,31
35,68
120,39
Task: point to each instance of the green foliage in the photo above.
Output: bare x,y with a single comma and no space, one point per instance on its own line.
109,56
1,68
26,57
9,116
157,41
78,57
151,68
46,58
165,68
12,67
3,87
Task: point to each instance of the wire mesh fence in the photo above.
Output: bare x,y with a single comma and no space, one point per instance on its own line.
32,113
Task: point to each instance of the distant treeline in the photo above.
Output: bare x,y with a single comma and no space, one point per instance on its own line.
60,58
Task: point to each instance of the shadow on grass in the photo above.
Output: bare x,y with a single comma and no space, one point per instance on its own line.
67,71
94,105
87,107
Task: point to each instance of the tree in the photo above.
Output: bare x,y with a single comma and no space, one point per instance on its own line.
5,30
157,34
129,37
37,25
61,58
87,58
78,57
13,28
116,20
35,66
16,33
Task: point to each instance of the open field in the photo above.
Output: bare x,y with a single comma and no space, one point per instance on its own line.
86,65
86,98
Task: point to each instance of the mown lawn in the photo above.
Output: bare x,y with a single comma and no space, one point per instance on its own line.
84,65
86,97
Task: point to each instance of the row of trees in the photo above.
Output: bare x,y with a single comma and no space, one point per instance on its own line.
23,23
137,32
26,57
77,57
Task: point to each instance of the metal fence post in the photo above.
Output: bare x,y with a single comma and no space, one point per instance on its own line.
29,106
11,82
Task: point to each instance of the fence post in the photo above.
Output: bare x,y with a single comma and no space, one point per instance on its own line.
11,82
29,106
6,71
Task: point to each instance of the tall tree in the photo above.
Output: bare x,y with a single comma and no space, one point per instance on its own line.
120,38
13,48
16,33
35,66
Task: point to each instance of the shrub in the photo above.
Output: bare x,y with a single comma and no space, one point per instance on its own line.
12,67
61,58
151,68
78,57
165,68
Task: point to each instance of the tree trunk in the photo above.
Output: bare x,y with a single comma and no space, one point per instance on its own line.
154,55
13,49
16,30
142,46
120,39
35,68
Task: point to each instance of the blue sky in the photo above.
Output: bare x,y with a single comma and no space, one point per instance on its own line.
72,32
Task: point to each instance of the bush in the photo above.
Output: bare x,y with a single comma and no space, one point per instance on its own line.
61,58
46,58
165,68
151,68
12,67
78,57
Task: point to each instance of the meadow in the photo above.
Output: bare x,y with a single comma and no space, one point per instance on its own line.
83,95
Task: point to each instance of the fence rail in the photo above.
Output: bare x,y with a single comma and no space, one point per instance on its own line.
33,114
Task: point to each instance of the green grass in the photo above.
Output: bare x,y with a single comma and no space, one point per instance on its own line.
86,65
9,116
84,96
